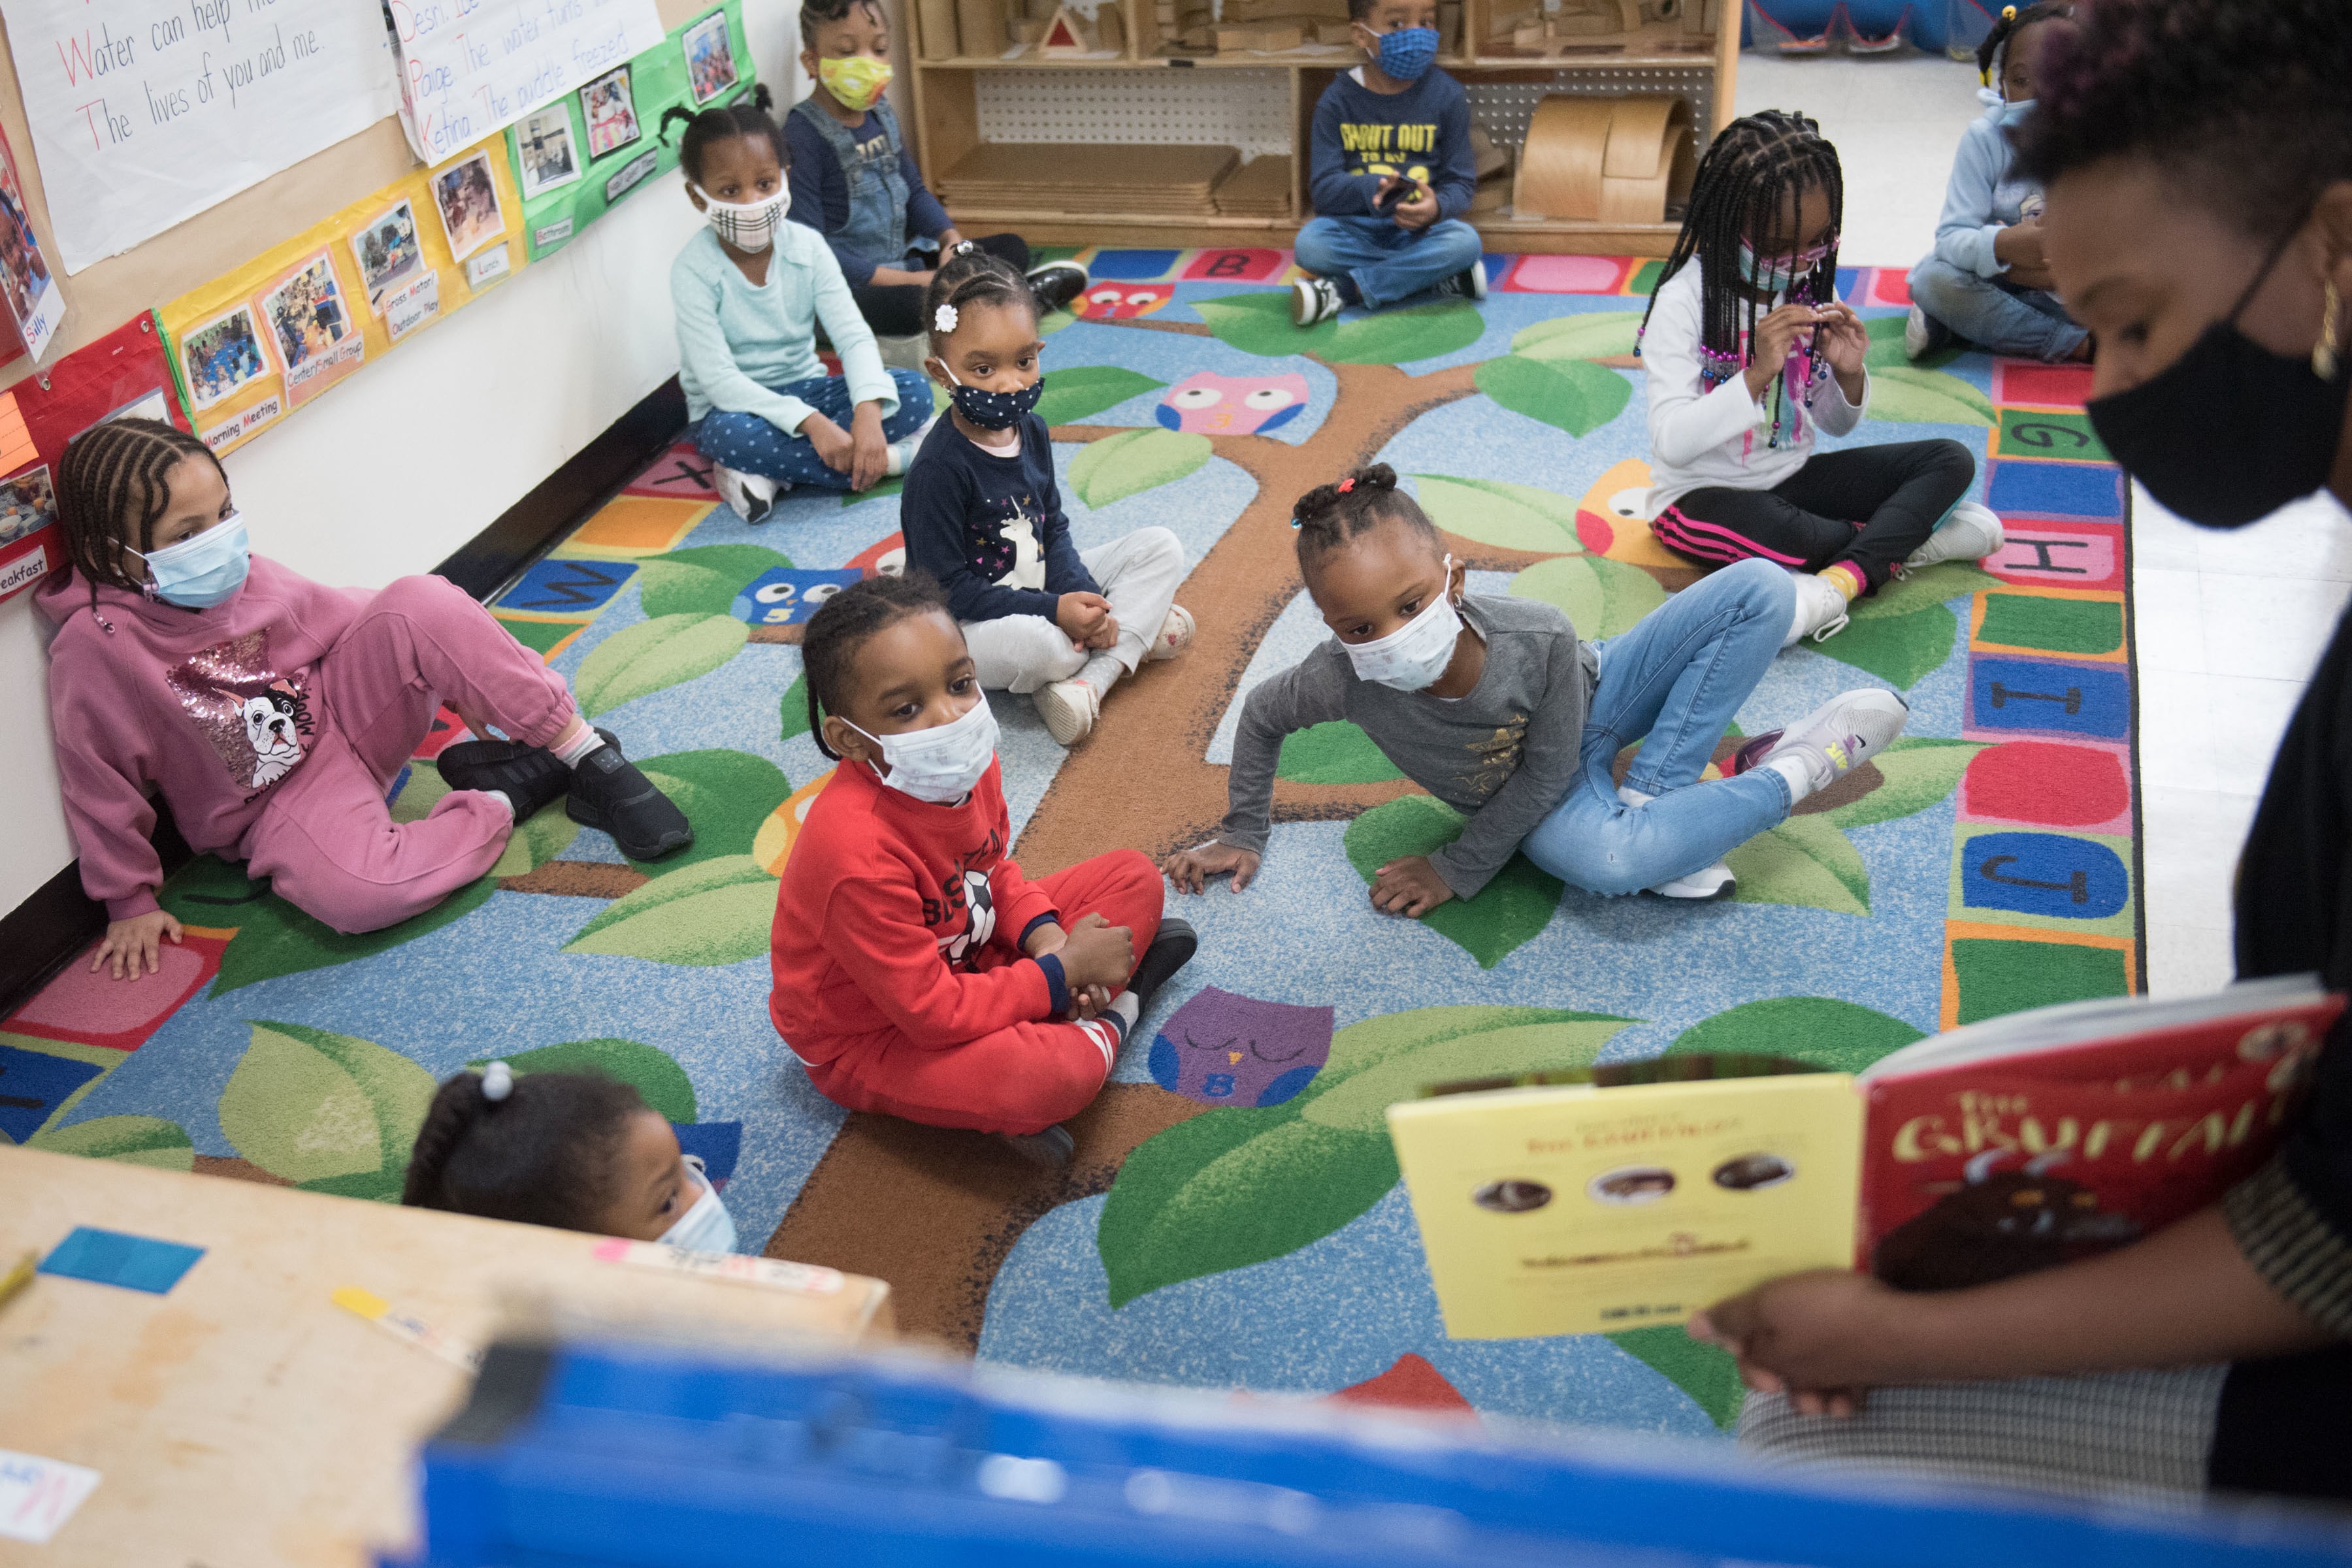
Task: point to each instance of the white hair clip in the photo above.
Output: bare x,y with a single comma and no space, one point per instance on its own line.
498,1081
943,320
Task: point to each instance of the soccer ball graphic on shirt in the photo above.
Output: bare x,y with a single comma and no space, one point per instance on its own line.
1209,403
979,922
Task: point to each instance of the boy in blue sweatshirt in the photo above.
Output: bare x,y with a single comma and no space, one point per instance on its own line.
1986,281
1391,172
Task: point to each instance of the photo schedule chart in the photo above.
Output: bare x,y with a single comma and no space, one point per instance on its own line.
472,68
146,113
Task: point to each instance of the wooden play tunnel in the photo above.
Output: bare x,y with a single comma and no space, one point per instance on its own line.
1606,159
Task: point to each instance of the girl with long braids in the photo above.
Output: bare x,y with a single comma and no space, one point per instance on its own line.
1988,280
1749,351
270,713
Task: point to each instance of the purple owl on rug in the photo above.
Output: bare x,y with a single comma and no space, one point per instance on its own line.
1224,1049
1217,405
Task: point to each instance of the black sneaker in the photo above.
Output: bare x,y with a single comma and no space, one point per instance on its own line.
1470,283
531,776
1050,1150
1057,283
607,792
1170,950
1313,299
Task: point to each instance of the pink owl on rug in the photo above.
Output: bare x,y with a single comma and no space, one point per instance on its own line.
1233,405
1114,301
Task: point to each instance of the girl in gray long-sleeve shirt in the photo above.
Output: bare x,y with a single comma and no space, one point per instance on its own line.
1492,705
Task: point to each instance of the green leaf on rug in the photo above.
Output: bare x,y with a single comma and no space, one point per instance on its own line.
1232,1187
1602,597
1804,861
1820,1031
1053,321
726,794
274,938
1910,396
131,1140
1915,591
654,1074
1594,335
1134,461
1571,395
702,580
793,711
1919,770
1336,753
1887,347
1509,912
1706,1372
718,912
665,651
1259,322
1085,390
1495,512
883,491
546,836
1898,649
313,1107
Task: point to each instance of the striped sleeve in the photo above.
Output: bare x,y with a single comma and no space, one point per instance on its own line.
2292,1245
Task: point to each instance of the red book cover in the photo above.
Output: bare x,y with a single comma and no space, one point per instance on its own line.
1983,1168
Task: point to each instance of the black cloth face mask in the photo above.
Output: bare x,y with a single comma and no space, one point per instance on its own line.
2228,432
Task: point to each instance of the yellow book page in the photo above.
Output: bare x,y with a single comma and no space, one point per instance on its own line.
1580,1210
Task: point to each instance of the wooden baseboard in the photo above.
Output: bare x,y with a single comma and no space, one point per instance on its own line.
41,934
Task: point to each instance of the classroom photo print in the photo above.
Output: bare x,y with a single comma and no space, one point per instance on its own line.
307,312
26,503
611,113
22,273
222,355
469,199
546,157
709,59
388,253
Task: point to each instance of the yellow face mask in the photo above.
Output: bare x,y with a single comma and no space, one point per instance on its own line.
854,82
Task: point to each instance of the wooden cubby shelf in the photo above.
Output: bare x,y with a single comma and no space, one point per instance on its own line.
1152,90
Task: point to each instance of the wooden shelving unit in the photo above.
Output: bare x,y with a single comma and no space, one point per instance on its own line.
1154,92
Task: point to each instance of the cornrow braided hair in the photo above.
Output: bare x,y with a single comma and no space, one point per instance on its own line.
750,119
111,491
816,13
545,1154
2243,102
970,275
1757,169
1992,55
1329,516
840,627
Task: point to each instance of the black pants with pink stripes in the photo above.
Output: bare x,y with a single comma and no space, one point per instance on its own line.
1872,506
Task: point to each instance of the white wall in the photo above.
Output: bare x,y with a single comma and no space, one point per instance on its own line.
394,470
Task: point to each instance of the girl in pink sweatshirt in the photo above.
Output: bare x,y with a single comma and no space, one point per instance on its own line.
270,713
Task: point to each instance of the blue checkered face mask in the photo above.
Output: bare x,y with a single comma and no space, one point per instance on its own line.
1409,52
993,410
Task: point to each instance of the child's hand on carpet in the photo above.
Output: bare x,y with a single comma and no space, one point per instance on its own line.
1822,1337
1190,869
1409,887
1081,616
1096,954
134,946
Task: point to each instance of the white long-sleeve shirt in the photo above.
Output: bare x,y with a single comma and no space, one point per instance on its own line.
1700,436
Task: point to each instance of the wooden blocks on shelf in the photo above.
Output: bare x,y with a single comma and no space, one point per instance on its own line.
1091,179
1607,159
1259,37
1070,32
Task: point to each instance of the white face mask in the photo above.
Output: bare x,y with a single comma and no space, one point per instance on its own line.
707,1226
1412,656
943,763
746,226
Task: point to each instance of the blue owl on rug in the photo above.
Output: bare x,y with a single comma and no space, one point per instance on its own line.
1221,1049
1214,405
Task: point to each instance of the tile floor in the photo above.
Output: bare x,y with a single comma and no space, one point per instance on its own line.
2228,624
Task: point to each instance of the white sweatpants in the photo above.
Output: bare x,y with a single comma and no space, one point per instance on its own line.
1139,574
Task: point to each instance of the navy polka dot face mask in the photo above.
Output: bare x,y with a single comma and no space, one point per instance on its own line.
993,410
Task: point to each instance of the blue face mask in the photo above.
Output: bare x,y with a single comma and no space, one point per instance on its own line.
993,410
1408,52
2013,113
707,1226
203,570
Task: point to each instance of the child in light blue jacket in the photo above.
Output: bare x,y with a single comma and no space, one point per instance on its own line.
1986,281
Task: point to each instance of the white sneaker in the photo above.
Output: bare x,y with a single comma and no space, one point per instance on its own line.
1970,532
751,496
1069,709
1714,881
1820,609
1313,299
1175,635
1842,735
1918,335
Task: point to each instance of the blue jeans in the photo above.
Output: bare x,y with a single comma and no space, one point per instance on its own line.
749,444
1675,679
1389,263
1996,316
